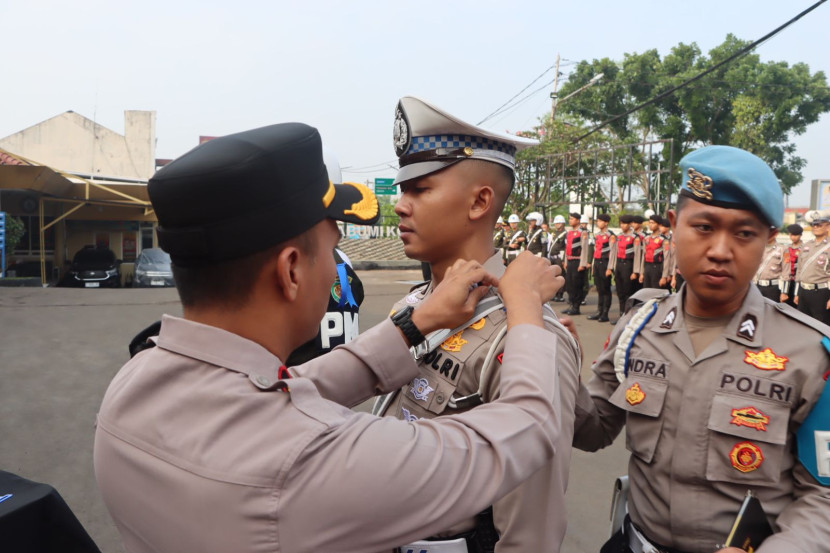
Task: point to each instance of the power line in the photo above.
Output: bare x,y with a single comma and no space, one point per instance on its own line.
704,73
514,97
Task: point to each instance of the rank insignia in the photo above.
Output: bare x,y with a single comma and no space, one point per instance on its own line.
750,417
407,416
479,324
421,389
766,360
669,320
500,357
635,395
454,343
746,456
413,298
746,329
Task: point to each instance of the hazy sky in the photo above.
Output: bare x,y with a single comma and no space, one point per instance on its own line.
212,68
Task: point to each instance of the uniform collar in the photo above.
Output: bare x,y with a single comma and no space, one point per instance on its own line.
494,265
221,348
745,326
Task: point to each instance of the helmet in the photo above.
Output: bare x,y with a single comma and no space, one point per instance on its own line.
815,215
536,216
584,219
513,218
648,213
500,220
559,219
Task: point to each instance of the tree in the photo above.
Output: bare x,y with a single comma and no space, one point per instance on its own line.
15,229
746,103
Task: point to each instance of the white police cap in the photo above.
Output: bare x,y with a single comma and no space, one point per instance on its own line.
536,216
559,219
513,218
500,220
428,139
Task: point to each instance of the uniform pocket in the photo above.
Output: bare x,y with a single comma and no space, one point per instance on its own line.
643,399
747,440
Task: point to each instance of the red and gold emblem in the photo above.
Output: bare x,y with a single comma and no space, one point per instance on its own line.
766,360
635,395
750,417
454,343
746,456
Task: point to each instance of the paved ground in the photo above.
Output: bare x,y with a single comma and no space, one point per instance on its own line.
59,348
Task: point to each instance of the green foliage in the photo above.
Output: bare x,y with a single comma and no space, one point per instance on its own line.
746,103
15,229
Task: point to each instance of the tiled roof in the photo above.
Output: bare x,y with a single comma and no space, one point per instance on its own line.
6,159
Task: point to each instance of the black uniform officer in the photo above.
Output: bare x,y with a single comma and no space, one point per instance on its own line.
604,241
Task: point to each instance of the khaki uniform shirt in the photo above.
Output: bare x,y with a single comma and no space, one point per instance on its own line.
198,450
612,263
532,517
772,265
814,262
704,429
670,261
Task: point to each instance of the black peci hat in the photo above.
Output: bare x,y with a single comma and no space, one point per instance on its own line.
243,193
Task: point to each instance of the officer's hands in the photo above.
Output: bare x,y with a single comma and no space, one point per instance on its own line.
663,281
642,278
608,272
795,300
582,267
784,297
528,282
634,276
569,323
453,302
828,305
674,283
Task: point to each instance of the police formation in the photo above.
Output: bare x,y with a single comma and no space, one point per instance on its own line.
206,441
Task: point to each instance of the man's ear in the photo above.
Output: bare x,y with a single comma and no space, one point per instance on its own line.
673,218
482,203
286,271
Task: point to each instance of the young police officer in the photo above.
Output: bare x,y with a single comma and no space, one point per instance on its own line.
604,242
721,391
207,443
455,179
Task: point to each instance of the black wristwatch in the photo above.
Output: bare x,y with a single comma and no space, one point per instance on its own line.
403,320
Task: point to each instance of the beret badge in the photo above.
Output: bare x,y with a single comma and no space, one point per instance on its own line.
700,184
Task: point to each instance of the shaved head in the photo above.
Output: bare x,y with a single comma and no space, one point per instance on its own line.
476,173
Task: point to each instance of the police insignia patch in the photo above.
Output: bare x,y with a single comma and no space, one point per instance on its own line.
335,290
750,417
746,456
401,136
479,324
407,416
635,395
421,389
413,298
766,360
454,343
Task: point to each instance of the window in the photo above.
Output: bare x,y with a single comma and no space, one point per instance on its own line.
30,243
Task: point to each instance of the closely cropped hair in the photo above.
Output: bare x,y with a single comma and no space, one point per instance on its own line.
229,283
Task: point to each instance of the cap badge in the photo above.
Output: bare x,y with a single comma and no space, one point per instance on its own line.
766,360
750,417
367,207
746,456
421,389
700,184
400,134
468,151
454,343
635,395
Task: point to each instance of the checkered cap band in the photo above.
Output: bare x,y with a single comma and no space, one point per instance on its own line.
422,143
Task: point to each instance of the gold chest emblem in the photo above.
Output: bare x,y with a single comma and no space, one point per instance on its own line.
750,417
635,395
700,184
479,324
766,360
454,343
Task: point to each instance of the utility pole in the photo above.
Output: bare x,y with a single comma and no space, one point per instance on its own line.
554,95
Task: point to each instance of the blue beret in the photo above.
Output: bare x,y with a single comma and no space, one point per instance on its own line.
729,177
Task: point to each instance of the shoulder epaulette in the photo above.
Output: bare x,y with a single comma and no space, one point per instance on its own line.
803,318
420,285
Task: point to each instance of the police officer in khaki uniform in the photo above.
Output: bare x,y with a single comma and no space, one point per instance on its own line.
208,443
720,391
769,276
791,254
536,235
461,368
812,289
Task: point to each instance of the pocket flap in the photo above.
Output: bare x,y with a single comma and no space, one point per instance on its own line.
751,418
644,396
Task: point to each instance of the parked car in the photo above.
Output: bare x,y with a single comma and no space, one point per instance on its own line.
152,268
93,268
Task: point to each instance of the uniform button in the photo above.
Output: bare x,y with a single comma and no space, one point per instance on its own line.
264,381
439,398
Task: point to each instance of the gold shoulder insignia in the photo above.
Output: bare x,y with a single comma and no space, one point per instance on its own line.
479,324
700,184
367,207
454,343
